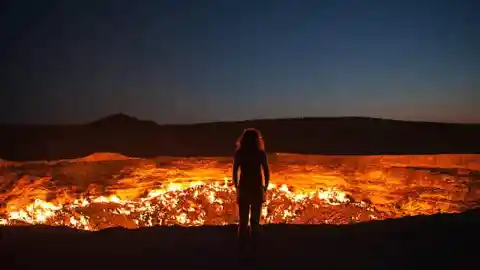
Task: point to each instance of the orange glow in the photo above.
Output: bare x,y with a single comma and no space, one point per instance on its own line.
91,194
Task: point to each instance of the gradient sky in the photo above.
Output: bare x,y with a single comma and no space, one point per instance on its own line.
195,61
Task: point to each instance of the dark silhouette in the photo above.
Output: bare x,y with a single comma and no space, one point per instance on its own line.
338,136
251,158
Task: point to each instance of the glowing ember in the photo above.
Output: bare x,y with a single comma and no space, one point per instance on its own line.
188,192
193,204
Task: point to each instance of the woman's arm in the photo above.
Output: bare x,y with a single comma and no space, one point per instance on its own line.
236,164
266,169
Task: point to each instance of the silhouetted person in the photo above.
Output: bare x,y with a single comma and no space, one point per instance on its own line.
251,158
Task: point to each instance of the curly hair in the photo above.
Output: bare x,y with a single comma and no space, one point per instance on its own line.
251,139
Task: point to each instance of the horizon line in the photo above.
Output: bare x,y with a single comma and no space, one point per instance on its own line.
237,121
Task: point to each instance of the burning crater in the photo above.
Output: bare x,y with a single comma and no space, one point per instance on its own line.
107,190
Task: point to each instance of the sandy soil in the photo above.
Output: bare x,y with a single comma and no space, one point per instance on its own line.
101,157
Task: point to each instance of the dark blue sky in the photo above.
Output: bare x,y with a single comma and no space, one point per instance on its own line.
195,61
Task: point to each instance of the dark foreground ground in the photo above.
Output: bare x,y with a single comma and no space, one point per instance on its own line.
434,242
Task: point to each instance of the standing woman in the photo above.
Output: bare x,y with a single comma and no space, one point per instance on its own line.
251,158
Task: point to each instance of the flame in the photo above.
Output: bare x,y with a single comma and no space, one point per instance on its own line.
194,192
190,204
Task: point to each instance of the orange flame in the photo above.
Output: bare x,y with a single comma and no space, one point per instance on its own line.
188,192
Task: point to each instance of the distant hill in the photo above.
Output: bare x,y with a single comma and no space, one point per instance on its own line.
121,120
130,136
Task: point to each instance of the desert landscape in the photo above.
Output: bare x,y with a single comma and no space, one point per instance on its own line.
173,201
120,121
383,212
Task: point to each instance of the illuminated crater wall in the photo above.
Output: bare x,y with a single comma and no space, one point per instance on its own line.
105,190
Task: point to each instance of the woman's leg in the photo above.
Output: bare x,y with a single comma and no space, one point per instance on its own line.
256,211
244,209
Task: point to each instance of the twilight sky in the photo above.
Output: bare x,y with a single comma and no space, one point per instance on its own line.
195,61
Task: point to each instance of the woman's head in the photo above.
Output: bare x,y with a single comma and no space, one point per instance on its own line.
251,139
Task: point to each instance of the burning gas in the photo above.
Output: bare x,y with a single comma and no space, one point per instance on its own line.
190,192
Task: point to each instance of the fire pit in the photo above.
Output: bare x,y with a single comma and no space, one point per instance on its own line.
96,194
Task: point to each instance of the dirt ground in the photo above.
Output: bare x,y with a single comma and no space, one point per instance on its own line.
443,241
